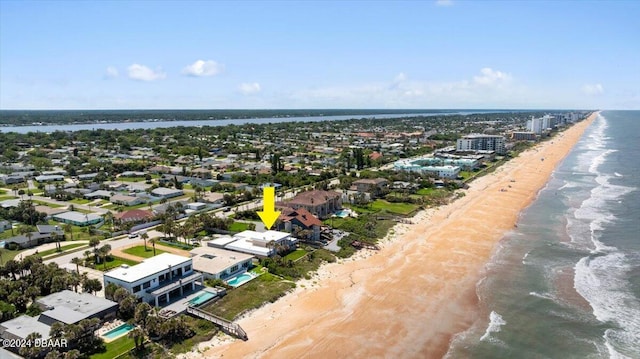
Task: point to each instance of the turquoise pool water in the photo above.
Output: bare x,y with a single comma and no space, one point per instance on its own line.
202,297
342,213
240,280
116,332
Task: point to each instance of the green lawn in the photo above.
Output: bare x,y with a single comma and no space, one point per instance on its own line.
139,251
4,198
396,208
9,254
80,201
115,348
265,288
238,227
52,205
295,255
113,262
64,248
425,191
176,245
131,179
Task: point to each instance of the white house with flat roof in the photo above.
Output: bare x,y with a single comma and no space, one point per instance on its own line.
262,244
157,280
77,218
164,192
217,263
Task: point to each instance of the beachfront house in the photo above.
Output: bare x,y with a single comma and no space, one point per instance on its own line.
217,263
157,280
320,203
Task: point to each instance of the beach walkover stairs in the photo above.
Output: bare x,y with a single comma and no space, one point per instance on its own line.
226,326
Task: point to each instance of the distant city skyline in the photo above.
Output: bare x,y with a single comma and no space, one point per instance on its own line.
324,54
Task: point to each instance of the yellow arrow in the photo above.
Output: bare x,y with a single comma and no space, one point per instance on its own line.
268,215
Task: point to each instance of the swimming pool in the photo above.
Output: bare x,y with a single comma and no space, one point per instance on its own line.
343,213
240,279
202,297
118,331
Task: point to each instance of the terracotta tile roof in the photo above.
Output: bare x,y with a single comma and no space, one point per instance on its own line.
134,215
302,215
314,198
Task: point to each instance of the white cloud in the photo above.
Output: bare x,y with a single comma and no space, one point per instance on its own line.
592,89
489,88
203,68
444,2
400,77
249,88
143,73
112,72
490,77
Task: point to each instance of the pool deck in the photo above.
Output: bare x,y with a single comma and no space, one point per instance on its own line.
108,326
253,276
180,306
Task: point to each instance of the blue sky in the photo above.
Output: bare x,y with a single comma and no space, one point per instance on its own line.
319,54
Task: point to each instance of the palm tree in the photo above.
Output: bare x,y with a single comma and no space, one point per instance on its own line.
68,228
108,219
153,243
74,280
144,237
94,242
87,253
104,252
77,261
138,338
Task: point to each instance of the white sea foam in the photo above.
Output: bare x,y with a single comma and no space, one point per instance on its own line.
495,323
617,174
601,281
601,277
542,295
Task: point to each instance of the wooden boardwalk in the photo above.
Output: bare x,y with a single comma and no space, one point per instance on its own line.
226,326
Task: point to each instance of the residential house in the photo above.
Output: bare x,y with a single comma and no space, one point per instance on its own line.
49,178
125,200
134,215
296,220
78,218
65,307
45,233
201,173
216,263
164,192
259,244
320,203
157,280
373,186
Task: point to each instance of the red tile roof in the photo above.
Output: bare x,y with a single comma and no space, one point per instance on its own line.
134,215
302,215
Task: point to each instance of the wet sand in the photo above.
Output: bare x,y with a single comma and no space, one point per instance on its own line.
410,298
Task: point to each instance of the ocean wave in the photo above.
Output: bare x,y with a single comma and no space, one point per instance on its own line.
495,323
601,280
542,296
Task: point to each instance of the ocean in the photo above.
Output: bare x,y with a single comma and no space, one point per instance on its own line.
565,283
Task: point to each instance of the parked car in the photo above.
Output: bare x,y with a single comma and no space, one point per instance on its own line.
133,235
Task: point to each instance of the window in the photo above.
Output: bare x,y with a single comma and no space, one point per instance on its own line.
245,264
146,285
234,268
187,268
136,289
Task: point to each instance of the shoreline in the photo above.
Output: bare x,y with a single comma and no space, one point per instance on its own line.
413,296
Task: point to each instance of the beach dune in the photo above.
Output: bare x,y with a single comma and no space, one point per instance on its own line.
410,298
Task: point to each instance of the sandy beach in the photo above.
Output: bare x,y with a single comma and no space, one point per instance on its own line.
410,298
